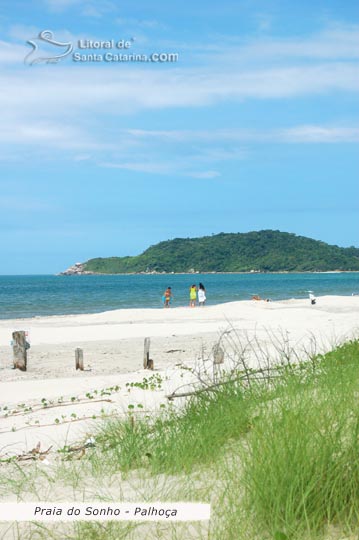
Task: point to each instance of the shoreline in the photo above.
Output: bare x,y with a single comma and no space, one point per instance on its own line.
90,273
137,322
160,308
336,271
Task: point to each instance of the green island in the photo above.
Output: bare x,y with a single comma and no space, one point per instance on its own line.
257,251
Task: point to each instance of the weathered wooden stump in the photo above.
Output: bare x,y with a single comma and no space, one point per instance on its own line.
146,352
79,359
150,364
19,348
147,361
218,354
218,359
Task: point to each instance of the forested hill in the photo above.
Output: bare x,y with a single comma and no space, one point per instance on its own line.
265,251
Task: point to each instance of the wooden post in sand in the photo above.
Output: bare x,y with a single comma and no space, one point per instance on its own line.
79,359
218,359
146,352
218,354
150,364
147,362
19,347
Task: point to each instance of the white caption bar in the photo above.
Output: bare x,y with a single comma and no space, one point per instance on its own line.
156,511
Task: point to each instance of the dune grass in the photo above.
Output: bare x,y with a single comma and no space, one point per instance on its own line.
178,441
294,440
300,461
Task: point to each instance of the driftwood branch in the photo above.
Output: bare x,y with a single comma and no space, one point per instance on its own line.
212,387
196,392
34,454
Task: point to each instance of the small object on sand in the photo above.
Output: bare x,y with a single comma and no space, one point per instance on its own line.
79,359
257,297
312,298
89,442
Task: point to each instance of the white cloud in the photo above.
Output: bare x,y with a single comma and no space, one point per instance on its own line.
320,134
334,43
130,22
235,73
92,11
146,167
12,54
88,8
23,204
264,21
175,168
22,32
60,5
205,174
46,135
295,134
82,157
66,105
60,91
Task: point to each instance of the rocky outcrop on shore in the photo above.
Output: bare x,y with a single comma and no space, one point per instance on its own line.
78,269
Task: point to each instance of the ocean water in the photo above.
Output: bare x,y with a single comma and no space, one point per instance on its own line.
29,296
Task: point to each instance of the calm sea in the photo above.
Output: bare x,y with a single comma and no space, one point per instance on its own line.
29,296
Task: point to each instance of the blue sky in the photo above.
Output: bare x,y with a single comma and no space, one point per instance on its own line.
254,127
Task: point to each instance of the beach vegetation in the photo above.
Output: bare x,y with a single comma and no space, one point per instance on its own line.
154,382
286,446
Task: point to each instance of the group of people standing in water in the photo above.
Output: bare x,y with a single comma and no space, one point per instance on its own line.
195,293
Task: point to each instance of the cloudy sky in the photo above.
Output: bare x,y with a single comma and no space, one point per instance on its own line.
255,126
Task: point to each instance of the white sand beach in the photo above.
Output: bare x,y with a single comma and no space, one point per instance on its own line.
113,355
